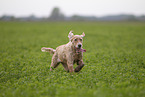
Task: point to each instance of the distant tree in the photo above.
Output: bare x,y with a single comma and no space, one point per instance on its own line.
77,18
132,18
7,18
56,15
32,17
142,16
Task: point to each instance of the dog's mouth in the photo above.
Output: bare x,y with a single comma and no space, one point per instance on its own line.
80,50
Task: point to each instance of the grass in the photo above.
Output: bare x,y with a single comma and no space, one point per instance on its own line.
114,61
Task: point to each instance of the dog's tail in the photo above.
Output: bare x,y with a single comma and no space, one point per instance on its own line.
50,50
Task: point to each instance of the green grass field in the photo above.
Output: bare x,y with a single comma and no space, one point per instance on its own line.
114,61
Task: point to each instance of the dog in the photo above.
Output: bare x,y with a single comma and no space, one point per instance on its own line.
68,54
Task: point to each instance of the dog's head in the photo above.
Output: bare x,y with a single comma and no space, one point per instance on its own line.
77,40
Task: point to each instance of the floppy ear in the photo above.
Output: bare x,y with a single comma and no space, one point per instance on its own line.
83,34
70,35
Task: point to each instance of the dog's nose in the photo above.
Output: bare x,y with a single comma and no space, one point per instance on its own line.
79,45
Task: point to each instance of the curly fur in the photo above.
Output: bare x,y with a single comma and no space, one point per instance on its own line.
68,54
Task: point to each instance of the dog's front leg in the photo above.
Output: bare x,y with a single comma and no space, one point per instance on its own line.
80,66
70,60
70,66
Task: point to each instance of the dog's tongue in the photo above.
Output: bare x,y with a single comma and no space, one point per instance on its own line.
80,50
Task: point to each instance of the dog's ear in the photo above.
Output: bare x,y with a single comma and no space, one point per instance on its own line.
83,34
70,35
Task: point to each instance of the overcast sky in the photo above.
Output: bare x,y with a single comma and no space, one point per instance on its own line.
71,7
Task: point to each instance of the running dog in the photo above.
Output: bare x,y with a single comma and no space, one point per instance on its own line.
68,54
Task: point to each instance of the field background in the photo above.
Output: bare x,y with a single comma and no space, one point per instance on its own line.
114,61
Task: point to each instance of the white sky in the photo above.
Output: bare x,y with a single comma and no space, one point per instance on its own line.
71,7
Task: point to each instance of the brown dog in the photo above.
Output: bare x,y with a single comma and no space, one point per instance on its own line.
68,54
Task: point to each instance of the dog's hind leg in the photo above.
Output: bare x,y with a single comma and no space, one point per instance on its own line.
65,67
80,66
54,62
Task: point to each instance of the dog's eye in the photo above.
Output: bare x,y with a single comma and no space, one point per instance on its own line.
75,39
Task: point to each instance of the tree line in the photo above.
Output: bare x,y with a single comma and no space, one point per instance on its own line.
57,15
